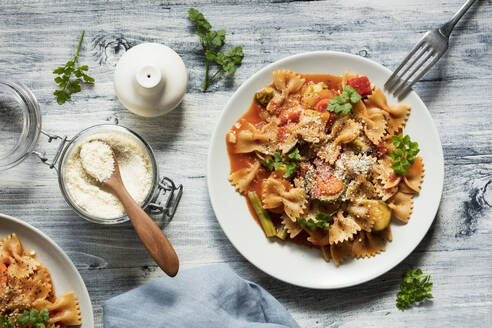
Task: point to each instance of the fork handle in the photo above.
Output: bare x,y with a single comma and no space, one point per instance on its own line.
447,28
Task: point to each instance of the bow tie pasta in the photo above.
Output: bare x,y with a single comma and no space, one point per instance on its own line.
322,160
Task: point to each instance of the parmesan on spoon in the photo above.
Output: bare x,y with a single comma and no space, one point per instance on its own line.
97,159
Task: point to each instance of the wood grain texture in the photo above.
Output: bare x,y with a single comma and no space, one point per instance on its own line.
36,37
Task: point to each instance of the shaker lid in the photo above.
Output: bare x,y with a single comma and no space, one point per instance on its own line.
150,79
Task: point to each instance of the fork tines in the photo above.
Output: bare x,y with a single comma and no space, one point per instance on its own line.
422,57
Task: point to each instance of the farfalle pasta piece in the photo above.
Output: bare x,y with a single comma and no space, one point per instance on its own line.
330,152
287,138
311,126
342,229
386,233
377,99
293,228
415,175
242,178
66,308
384,193
398,117
401,205
286,82
359,111
375,124
360,213
249,139
14,253
367,244
360,188
325,252
276,194
383,171
343,131
340,252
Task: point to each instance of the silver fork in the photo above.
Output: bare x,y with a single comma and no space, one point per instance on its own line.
431,47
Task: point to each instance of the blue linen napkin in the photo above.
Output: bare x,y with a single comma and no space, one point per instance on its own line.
209,296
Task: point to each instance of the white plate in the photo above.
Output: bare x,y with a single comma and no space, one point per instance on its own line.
64,274
300,265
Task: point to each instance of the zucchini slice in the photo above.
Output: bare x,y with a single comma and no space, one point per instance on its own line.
381,214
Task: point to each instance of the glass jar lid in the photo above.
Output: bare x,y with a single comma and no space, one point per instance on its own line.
20,123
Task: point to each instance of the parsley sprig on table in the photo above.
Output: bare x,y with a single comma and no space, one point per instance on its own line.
405,153
212,42
414,288
67,84
321,220
276,162
343,103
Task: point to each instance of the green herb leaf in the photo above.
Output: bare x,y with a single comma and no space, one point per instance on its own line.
311,224
268,163
6,323
290,167
405,153
277,162
212,42
414,288
294,154
33,318
344,102
202,25
66,85
321,222
324,217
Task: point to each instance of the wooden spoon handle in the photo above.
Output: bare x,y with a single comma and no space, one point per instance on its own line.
150,234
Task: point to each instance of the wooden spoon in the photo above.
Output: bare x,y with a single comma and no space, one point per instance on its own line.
147,230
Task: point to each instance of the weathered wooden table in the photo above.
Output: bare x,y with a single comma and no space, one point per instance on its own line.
36,37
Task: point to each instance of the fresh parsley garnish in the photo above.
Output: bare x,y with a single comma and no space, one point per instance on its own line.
321,220
212,43
6,323
405,153
294,154
343,103
290,167
67,84
277,162
33,318
414,288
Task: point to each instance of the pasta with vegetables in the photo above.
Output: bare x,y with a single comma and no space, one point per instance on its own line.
27,293
322,161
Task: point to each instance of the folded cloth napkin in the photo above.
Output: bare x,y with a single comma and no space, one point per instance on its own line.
209,296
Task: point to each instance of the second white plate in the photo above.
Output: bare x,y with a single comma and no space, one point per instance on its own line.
64,274
288,261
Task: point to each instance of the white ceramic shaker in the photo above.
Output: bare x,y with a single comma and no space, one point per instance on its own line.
150,79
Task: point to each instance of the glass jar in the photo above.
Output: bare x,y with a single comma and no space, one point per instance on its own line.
20,123
20,128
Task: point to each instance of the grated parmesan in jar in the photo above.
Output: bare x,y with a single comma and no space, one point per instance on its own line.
88,192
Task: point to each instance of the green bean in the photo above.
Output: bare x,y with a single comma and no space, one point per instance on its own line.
262,214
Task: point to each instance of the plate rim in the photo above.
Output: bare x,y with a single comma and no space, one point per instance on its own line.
64,255
278,63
